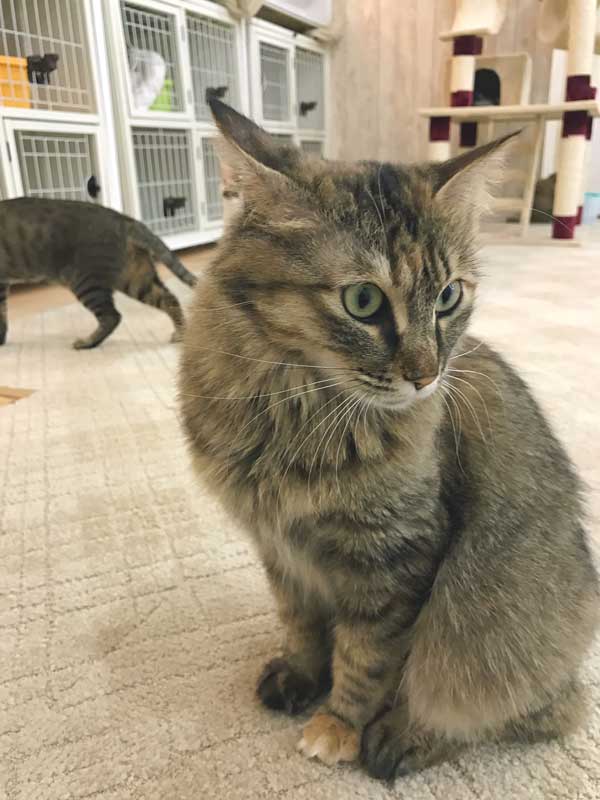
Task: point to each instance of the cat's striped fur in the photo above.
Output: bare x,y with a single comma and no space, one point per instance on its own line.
428,557
92,250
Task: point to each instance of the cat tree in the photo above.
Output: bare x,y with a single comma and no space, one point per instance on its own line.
573,24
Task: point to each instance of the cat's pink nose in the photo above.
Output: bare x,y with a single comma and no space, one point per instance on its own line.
421,383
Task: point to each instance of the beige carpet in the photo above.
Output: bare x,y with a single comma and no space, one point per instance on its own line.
134,618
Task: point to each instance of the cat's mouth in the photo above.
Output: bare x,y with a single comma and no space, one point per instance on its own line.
396,396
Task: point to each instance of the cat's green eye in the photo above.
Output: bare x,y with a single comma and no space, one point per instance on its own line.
448,298
363,300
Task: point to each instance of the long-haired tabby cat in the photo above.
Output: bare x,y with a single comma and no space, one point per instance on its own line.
429,561
91,249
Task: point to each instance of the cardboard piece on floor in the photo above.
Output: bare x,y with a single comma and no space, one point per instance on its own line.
9,394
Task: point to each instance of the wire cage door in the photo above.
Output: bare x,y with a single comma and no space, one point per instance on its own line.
58,164
312,147
165,176
310,90
275,82
214,61
44,56
154,71
213,187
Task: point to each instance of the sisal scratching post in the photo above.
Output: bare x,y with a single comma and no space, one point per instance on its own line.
462,77
473,19
462,81
576,129
439,139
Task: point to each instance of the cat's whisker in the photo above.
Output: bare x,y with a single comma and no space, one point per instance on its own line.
349,414
482,374
337,412
383,233
551,216
297,452
226,308
365,415
470,407
443,394
193,348
479,395
273,405
316,427
467,352
337,422
256,396
380,190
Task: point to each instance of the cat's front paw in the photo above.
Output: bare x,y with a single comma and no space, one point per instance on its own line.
329,739
282,688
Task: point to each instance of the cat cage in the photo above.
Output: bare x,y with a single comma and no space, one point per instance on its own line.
288,85
54,161
54,110
167,60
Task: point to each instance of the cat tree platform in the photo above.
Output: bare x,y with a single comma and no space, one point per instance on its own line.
536,113
517,113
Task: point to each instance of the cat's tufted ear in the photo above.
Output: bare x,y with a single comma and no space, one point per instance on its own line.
247,150
463,184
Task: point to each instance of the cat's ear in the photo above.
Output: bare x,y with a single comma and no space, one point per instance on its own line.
247,150
463,184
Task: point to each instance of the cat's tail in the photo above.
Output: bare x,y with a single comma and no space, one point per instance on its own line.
143,237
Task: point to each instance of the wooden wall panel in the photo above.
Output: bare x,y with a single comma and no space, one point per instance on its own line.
389,62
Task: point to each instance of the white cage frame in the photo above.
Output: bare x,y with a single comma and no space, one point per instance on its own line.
113,119
261,33
97,123
198,127
52,132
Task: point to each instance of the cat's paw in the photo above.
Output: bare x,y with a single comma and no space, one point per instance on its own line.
390,748
84,344
329,739
281,688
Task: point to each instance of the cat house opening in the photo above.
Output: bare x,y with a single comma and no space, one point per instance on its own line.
487,90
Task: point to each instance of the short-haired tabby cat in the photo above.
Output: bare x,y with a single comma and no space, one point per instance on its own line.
91,249
428,559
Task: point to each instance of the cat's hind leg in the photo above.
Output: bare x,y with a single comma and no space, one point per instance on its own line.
3,315
564,714
393,746
154,293
99,301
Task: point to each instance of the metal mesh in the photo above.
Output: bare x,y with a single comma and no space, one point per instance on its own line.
283,138
214,63
148,35
310,89
212,180
311,147
44,56
275,82
56,165
165,179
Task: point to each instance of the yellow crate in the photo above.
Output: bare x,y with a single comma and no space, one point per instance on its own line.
14,86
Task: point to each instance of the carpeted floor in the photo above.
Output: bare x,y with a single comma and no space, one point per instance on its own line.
133,617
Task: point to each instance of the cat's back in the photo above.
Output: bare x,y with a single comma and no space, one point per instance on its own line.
39,236
45,216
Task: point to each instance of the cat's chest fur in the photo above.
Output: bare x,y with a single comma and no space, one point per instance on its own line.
295,563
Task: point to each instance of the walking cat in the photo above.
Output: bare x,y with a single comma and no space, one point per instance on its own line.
93,250
419,523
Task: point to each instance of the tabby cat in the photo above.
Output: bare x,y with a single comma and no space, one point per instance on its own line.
428,560
91,249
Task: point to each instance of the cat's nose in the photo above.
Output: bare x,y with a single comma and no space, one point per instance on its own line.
423,381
